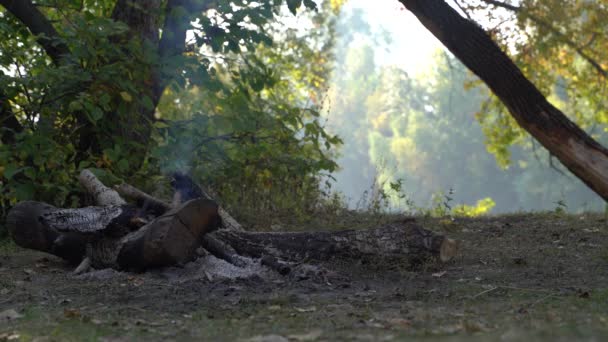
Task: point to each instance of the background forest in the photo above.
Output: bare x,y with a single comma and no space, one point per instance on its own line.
434,132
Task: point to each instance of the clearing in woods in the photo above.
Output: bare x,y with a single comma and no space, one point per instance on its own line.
518,277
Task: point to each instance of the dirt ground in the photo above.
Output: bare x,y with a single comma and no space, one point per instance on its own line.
518,277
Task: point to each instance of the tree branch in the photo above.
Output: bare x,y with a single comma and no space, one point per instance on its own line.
143,199
40,26
578,49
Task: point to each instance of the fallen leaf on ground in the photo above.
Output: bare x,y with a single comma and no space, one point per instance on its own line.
400,322
71,313
473,327
439,274
309,309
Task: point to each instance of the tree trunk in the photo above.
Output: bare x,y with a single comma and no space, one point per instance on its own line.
582,155
142,18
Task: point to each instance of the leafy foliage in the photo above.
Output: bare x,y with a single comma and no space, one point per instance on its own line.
239,110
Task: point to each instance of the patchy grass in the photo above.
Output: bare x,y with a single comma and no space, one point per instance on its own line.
518,277
7,246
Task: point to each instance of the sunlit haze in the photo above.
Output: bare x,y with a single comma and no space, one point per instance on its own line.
412,45
419,126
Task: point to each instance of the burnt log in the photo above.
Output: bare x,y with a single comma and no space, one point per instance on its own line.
66,232
116,235
170,239
186,189
174,237
400,242
109,237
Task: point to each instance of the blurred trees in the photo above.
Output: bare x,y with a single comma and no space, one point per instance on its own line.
420,133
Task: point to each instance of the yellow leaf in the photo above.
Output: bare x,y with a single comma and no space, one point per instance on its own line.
126,96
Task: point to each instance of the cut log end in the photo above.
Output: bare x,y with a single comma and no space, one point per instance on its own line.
448,249
170,239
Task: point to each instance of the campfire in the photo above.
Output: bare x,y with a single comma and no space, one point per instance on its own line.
149,233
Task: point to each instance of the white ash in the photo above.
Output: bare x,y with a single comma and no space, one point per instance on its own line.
104,274
212,268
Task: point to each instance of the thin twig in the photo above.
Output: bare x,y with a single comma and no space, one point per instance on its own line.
484,292
513,288
541,299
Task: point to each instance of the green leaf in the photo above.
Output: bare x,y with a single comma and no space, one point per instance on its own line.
147,102
11,170
30,173
24,191
75,106
96,114
123,165
310,5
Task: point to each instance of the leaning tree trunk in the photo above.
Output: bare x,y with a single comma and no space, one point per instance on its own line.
582,155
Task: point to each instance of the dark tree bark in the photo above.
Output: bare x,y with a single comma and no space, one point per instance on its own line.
40,26
582,155
405,241
170,239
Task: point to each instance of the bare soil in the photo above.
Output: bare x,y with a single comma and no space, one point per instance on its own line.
518,277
